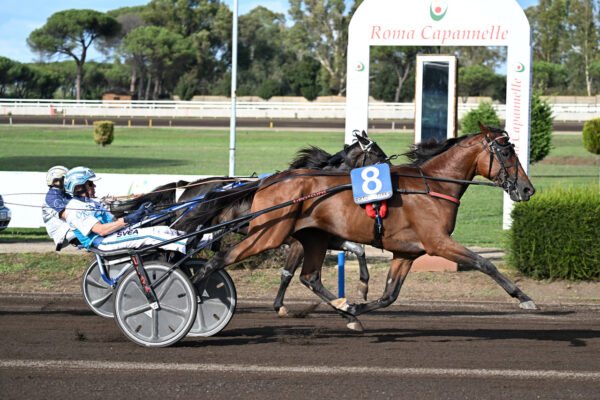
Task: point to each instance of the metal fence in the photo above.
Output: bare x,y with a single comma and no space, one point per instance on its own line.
249,109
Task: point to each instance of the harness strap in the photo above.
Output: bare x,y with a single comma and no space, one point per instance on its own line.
436,194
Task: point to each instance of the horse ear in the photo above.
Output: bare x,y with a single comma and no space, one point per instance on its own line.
363,139
364,134
485,130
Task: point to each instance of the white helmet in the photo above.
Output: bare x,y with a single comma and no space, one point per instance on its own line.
56,172
78,176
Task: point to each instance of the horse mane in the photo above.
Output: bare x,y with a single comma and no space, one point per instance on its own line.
423,151
316,158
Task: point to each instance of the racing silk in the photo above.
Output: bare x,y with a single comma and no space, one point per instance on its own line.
58,229
82,214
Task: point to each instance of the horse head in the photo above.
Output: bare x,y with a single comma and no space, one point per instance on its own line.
501,165
364,151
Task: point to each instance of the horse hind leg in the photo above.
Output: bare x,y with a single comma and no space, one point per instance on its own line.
287,273
396,276
340,305
363,284
315,245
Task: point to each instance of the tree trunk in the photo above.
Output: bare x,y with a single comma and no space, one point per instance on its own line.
156,89
401,79
78,81
132,84
147,94
141,86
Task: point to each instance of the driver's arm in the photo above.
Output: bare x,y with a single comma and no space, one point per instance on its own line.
108,228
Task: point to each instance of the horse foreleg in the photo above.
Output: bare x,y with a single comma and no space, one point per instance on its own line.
315,245
292,263
363,285
395,278
453,251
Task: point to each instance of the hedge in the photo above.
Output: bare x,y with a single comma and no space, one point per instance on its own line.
556,235
104,132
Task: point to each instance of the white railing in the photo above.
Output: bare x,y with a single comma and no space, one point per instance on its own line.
249,109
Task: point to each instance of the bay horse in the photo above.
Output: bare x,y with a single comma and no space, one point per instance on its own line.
421,214
218,207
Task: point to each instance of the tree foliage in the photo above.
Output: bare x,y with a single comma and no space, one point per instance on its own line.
191,46
70,33
541,129
321,30
475,80
484,114
591,136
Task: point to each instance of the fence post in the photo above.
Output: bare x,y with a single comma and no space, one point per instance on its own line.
341,277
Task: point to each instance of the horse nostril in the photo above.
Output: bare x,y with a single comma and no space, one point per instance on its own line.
529,191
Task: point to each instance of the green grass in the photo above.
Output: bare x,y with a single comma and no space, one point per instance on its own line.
165,151
24,234
202,152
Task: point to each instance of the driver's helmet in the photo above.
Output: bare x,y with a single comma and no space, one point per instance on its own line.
56,172
78,176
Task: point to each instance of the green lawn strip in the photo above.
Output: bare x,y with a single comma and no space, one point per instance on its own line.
24,234
47,266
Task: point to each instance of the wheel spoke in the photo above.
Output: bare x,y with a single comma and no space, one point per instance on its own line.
100,302
164,288
135,311
93,282
200,318
173,310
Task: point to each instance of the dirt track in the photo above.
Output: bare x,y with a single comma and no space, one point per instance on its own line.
53,347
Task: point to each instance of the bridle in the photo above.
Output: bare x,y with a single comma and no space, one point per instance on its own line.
502,178
368,149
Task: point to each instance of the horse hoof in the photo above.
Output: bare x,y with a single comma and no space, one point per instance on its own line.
363,289
528,305
341,304
355,326
283,312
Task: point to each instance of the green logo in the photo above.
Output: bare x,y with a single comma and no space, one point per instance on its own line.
520,67
437,10
360,67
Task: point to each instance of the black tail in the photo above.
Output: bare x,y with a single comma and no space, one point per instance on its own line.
160,196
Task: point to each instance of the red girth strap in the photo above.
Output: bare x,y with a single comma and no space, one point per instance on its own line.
445,197
382,209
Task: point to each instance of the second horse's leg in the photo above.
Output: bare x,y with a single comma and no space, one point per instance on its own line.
357,249
292,263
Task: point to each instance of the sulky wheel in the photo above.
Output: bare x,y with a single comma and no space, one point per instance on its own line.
216,306
98,294
156,328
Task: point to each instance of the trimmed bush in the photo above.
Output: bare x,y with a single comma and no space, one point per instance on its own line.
484,113
555,235
591,136
104,132
541,129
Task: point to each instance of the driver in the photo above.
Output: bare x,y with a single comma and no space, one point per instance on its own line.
95,226
53,209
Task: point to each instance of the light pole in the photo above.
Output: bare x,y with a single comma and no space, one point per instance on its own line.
232,122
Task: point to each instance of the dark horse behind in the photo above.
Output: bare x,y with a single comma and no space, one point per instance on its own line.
223,206
420,219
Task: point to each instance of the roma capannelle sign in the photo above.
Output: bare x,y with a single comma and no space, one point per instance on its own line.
444,23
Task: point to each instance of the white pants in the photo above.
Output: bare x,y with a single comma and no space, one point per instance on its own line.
135,238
